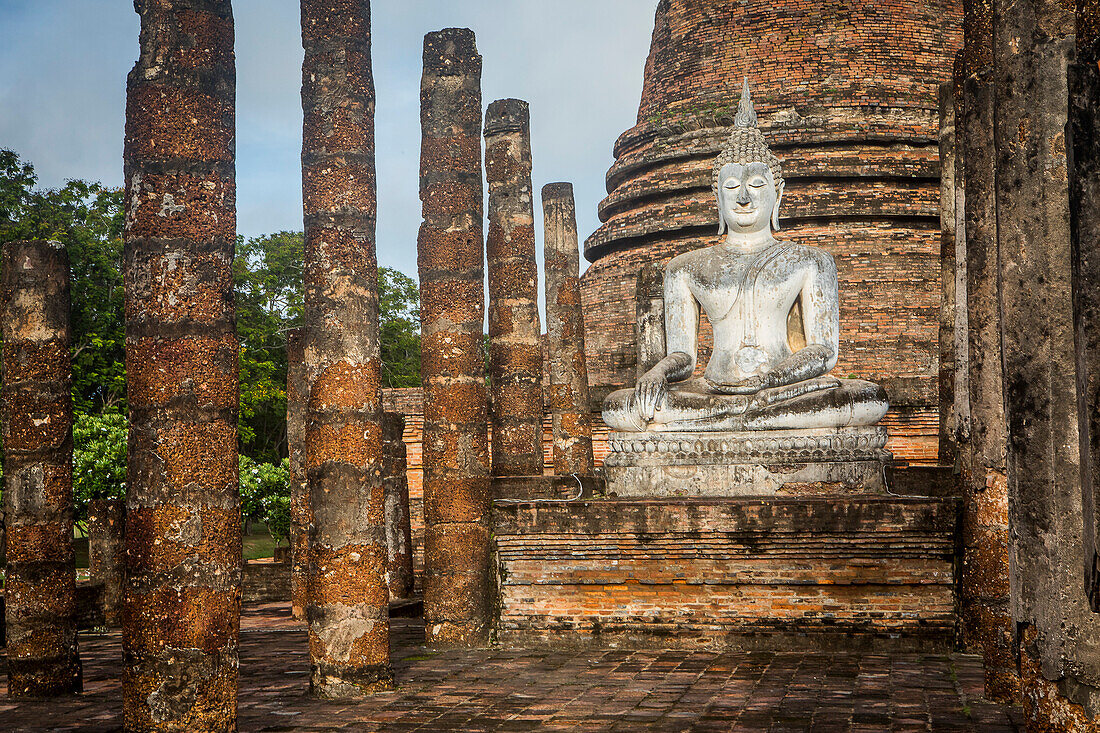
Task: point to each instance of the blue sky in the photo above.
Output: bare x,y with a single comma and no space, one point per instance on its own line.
63,66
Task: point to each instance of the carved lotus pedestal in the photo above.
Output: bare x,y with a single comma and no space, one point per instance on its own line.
727,464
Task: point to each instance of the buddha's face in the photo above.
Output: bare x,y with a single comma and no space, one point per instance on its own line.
747,197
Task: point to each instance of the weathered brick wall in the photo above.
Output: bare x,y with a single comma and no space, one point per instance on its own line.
828,571
847,96
264,580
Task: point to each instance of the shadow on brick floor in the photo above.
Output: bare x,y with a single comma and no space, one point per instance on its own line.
593,690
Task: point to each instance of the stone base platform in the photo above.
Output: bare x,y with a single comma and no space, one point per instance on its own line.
838,572
776,462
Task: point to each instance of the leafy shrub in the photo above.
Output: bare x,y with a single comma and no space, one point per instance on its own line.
99,458
277,517
264,487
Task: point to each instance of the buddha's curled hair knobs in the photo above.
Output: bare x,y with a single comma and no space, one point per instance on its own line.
746,143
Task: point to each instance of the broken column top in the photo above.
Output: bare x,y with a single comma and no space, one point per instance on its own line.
452,51
507,115
559,190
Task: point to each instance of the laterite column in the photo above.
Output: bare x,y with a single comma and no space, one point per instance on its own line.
649,305
348,607
399,559
452,309
106,521
1058,635
37,414
297,394
962,314
949,345
181,606
515,354
984,574
569,401
1084,117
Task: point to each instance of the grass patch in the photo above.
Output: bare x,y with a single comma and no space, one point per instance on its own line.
258,545
80,548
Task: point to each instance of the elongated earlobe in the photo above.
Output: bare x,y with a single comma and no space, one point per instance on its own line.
721,215
775,209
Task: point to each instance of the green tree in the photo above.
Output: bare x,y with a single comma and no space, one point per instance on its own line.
87,218
277,517
99,458
259,482
267,278
399,328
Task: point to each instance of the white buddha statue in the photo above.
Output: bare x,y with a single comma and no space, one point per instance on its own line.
775,315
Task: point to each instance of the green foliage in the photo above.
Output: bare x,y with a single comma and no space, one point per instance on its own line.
265,495
277,517
267,280
99,458
399,328
99,337
87,219
259,481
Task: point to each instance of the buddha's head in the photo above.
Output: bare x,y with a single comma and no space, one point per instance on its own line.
748,180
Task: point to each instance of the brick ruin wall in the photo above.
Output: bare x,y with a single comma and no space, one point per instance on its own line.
847,97
861,572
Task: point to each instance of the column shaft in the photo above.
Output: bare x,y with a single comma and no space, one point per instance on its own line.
348,605
569,400
1058,636
515,354
399,560
984,577
37,424
649,331
949,347
297,395
1084,146
181,606
451,254
106,521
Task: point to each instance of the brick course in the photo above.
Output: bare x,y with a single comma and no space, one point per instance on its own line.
747,572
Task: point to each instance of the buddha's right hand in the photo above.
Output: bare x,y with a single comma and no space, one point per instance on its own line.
650,393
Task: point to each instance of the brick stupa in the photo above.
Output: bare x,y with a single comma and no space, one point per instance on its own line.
847,96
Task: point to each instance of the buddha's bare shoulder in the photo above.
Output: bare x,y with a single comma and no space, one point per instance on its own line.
810,257
692,261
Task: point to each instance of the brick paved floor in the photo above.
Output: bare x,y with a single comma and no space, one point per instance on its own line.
595,690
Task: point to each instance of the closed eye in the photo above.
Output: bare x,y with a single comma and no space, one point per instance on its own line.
731,184
757,183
